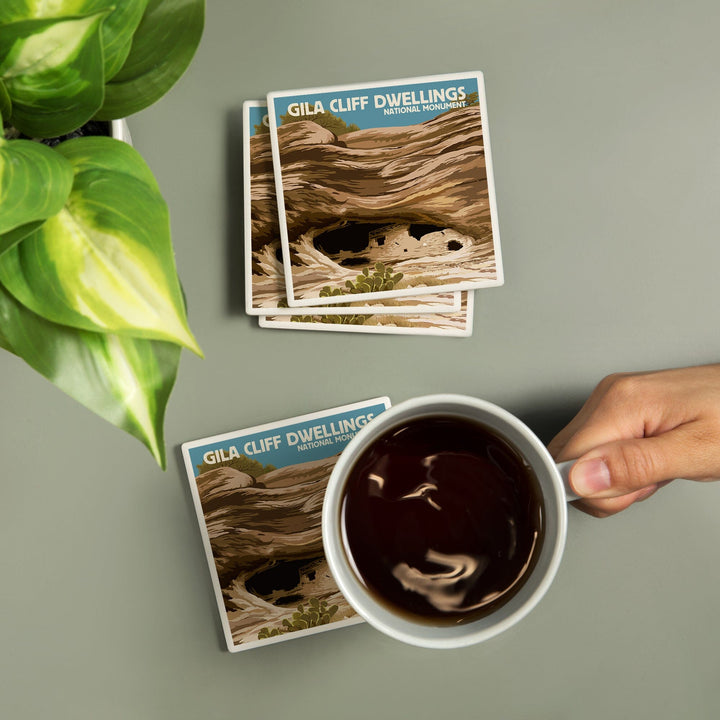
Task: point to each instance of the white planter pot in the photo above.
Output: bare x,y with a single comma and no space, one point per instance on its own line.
119,130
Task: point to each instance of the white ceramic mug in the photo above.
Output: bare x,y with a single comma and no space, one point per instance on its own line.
555,490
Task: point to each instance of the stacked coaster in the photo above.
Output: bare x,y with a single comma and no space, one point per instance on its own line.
370,208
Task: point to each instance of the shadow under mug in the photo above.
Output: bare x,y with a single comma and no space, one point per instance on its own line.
554,487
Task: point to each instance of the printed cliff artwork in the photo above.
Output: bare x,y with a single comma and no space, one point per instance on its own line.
264,271
258,494
397,174
457,323
267,576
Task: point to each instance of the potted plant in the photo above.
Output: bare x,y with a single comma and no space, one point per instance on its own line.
89,293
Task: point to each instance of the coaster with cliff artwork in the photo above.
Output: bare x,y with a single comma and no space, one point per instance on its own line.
258,495
264,274
453,324
398,173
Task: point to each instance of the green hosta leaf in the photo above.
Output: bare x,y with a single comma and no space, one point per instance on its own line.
12,238
104,262
109,155
125,380
12,10
5,105
162,48
4,342
35,182
52,70
117,30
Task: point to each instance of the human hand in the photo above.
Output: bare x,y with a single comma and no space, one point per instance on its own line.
639,431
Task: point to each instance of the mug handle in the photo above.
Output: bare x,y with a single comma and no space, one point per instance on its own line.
564,470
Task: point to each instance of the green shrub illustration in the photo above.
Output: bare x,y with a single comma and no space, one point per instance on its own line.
381,279
315,614
269,632
244,464
325,119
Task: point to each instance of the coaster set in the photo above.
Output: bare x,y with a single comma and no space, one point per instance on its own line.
370,208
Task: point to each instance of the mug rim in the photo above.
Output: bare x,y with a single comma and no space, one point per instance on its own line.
381,616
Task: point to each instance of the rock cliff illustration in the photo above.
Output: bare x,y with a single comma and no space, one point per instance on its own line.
266,542
441,321
415,198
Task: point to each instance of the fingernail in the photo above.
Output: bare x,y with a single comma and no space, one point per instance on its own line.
590,477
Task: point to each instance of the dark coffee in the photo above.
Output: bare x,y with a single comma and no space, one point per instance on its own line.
442,519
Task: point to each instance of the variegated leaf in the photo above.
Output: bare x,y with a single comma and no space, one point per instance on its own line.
117,30
125,380
105,261
35,182
53,72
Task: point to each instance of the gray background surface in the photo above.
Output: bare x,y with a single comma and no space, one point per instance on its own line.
605,131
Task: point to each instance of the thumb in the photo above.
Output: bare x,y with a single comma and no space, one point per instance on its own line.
625,466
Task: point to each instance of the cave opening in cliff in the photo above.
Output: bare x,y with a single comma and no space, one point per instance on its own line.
353,237
279,578
417,230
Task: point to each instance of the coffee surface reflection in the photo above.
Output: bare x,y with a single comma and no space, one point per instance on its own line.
442,519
